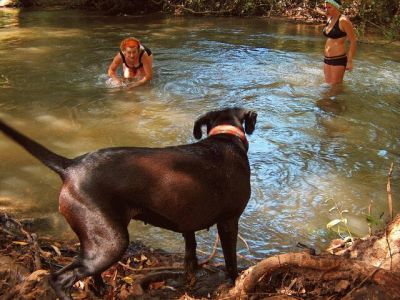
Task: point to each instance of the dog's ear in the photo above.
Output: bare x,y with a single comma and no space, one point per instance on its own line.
250,119
203,120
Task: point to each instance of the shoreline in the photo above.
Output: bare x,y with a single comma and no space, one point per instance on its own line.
372,36
27,260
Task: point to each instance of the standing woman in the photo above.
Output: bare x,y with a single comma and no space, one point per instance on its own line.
136,61
337,30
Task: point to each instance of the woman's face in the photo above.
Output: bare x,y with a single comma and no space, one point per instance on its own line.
131,52
330,9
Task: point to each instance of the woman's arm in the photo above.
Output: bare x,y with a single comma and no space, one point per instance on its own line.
112,69
147,62
348,28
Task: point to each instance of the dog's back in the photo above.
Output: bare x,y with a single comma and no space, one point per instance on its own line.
181,188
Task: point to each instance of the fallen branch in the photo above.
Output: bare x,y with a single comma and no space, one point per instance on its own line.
20,227
389,193
213,252
244,241
149,269
36,249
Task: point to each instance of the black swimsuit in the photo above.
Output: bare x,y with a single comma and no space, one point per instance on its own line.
140,65
335,33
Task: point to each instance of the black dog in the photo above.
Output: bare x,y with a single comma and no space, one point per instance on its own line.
181,188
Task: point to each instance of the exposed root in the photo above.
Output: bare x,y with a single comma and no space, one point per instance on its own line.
370,266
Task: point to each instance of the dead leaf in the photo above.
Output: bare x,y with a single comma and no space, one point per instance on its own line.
143,257
341,286
128,280
136,290
124,293
21,243
55,248
80,295
45,253
37,275
62,260
156,285
80,284
148,263
335,244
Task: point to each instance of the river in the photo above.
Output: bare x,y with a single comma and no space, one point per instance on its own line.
314,146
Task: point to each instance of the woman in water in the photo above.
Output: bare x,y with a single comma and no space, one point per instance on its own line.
136,61
337,30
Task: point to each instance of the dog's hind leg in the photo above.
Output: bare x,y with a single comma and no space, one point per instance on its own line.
190,261
99,285
228,231
98,252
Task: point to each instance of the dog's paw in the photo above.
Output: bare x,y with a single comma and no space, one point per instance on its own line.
99,290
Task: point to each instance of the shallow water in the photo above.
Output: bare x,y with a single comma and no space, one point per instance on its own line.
303,158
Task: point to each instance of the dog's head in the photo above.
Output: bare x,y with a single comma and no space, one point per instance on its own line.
230,116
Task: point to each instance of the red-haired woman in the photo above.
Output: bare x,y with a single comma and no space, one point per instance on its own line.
136,60
337,30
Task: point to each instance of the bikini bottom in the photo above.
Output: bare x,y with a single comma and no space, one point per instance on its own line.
340,60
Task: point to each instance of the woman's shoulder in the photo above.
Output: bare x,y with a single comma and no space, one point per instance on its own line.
145,50
344,22
344,19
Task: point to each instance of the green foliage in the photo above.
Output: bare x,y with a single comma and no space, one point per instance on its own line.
249,7
381,14
373,221
394,29
339,224
196,4
116,7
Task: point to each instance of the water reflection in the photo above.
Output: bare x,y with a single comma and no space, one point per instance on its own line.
312,144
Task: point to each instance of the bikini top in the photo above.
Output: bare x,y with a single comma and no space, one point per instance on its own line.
143,49
335,32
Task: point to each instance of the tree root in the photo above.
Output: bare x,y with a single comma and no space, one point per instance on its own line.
371,262
324,268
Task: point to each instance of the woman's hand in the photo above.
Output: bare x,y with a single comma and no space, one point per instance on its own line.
116,80
349,65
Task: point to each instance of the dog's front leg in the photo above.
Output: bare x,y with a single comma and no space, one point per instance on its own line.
190,262
228,231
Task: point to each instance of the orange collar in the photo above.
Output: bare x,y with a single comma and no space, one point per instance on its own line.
229,129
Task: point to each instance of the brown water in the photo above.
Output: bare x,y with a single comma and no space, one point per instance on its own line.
303,158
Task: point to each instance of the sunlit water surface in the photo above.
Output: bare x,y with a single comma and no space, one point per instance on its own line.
304,159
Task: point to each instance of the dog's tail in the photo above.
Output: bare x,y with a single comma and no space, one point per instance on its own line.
52,160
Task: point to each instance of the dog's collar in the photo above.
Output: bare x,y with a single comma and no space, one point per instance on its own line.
229,129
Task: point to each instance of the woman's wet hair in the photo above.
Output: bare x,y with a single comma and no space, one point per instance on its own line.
129,42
